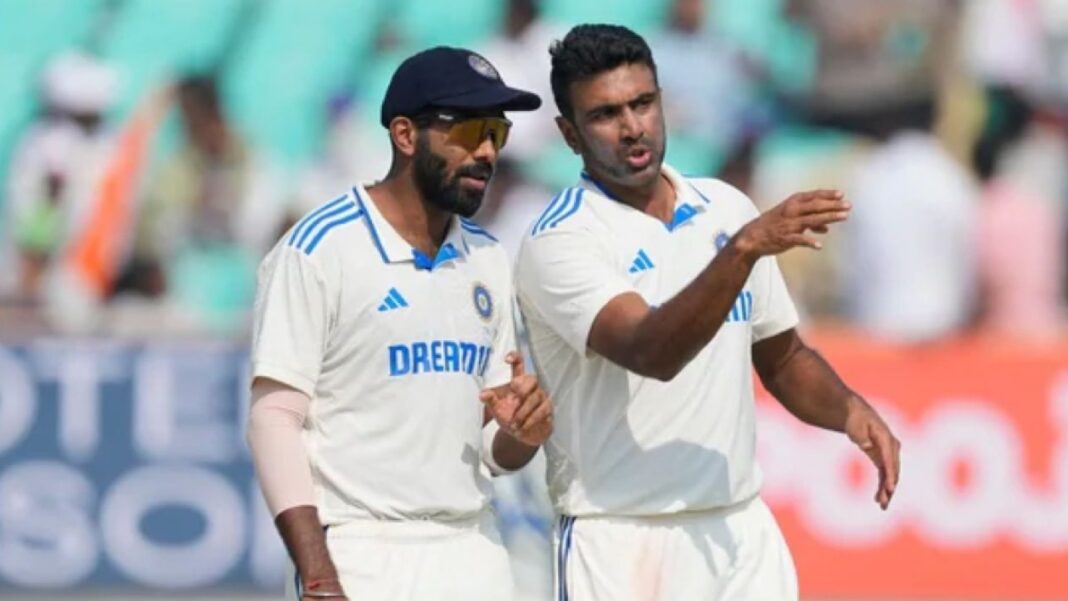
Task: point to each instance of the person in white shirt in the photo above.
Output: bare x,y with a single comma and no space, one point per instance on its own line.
648,297
382,318
518,49
911,280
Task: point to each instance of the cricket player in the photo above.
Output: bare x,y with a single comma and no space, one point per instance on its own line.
648,297
382,319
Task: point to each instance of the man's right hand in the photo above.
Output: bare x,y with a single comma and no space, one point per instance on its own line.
785,226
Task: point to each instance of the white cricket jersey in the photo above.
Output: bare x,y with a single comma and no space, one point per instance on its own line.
393,348
624,444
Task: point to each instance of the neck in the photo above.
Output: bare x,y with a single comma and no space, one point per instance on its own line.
657,198
418,222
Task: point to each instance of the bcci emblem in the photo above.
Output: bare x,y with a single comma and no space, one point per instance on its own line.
482,67
483,302
721,240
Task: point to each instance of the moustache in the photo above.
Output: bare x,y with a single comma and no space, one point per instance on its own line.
629,147
482,171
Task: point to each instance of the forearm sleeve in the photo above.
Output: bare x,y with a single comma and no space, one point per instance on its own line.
275,423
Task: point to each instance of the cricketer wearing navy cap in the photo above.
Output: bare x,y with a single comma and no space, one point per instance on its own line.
382,318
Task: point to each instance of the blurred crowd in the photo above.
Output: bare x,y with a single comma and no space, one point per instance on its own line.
155,149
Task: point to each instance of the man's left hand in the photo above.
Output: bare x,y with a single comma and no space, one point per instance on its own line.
521,407
869,432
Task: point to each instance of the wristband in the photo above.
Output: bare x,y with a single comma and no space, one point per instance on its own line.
309,589
489,432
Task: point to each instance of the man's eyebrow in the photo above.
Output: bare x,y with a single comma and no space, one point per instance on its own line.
603,108
618,105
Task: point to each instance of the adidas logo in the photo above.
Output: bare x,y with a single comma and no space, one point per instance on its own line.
393,300
641,263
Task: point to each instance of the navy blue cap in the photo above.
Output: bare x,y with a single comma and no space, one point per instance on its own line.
451,78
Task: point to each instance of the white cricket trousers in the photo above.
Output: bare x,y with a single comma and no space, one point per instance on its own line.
418,561
735,553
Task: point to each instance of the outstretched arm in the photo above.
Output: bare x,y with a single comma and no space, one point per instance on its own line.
658,342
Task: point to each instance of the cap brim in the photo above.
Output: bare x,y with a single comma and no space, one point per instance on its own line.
498,97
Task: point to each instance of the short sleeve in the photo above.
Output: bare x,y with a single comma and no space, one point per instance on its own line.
290,320
773,311
498,372
566,277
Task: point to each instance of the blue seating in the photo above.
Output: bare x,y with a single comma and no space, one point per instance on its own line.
296,55
151,40
423,24
642,16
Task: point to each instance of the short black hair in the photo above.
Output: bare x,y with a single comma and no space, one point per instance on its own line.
589,50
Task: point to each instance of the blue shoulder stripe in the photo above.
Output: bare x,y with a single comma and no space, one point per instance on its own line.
346,218
600,188
303,223
318,221
474,228
560,208
575,204
548,209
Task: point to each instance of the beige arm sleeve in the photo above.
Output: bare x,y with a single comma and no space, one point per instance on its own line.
275,422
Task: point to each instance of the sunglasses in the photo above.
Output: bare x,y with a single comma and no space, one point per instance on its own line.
470,132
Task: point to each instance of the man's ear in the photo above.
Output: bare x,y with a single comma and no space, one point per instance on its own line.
403,133
567,129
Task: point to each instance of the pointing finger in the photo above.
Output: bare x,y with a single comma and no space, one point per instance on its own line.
515,359
817,219
825,205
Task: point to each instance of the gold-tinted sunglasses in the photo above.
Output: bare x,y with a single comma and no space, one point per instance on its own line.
469,132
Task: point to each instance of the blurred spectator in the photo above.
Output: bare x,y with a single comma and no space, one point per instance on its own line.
1021,231
521,50
910,274
708,114
208,214
56,165
880,62
903,267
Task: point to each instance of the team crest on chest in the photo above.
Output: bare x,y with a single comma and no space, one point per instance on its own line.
483,301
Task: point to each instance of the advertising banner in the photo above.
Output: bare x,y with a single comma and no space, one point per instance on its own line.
124,467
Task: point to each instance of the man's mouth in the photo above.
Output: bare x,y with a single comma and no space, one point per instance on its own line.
474,181
638,158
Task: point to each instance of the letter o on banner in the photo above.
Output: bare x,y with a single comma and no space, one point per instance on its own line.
969,434
197,563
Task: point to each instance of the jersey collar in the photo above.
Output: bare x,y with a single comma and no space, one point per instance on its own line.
395,249
689,202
